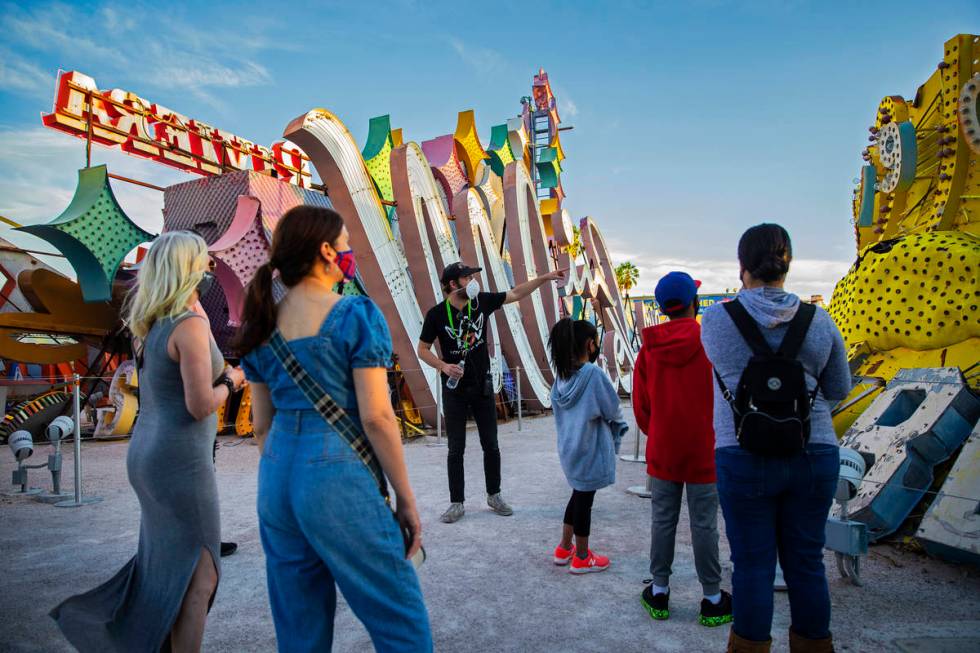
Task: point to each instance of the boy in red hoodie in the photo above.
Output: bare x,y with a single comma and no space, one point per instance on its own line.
672,401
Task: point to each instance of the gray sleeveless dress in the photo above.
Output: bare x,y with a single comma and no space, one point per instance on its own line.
170,467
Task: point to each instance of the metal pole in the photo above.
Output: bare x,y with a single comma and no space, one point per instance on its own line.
77,394
636,449
78,500
642,491
438,442
88,132
520,411
637,457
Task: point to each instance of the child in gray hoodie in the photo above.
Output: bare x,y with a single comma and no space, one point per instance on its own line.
590,429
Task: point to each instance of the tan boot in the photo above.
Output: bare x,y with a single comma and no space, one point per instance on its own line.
799,644
738,645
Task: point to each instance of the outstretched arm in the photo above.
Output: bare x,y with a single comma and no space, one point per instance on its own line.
521,291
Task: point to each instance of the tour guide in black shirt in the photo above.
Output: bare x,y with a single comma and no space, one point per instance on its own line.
461,324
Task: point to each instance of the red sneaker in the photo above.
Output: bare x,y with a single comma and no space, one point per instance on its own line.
563,556
589,564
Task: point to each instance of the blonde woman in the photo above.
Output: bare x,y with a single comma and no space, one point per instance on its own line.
160,599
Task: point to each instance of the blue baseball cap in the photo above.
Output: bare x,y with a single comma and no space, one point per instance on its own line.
676,290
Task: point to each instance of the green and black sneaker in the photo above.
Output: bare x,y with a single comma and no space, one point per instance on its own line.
716,614
655,604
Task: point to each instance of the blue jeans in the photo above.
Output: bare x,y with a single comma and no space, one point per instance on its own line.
325,525
778,506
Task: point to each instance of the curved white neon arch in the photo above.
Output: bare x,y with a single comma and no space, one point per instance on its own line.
528,245
403,276
337,159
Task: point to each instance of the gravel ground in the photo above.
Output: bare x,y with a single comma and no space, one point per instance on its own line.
489,583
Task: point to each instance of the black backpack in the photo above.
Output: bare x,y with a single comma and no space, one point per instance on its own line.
771,405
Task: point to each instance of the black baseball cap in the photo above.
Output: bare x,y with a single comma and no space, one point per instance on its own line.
456,270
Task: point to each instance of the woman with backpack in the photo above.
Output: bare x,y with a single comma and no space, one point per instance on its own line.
323,477
779,365
590,429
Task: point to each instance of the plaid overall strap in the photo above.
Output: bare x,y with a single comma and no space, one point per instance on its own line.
334,415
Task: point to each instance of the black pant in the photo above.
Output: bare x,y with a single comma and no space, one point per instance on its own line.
578,513
457,404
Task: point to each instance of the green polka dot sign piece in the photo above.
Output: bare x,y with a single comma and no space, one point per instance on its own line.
93,233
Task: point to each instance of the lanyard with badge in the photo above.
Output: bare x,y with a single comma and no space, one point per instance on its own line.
453,382
452,326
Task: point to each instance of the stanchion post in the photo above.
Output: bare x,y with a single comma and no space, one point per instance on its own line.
438,442
642,491
78,500
637,457
77,397
438,409
520,410
646,490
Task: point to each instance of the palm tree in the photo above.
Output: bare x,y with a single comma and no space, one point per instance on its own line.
575,247
627,275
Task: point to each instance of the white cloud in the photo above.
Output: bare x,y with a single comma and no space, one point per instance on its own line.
806,276
173,55
484,61
185,70
41,171
567,107
21,76
117,21
56,28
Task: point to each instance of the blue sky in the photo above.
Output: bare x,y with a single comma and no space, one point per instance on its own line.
692,120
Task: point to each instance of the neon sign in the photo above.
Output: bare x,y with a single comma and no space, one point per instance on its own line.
137,126
449,200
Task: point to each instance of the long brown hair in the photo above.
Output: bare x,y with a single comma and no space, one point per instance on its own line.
295,250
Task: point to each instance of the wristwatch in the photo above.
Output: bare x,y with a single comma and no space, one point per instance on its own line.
226,381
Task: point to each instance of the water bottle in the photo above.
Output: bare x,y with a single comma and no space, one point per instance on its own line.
453,382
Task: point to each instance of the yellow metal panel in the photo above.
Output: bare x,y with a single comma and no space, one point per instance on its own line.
883,365
468,147
911,299
243,419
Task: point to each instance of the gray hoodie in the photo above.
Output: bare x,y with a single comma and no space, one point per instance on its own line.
590,427
823,356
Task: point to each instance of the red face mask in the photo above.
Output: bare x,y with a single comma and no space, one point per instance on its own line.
347,263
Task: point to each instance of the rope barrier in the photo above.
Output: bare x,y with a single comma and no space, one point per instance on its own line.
78,379
55,379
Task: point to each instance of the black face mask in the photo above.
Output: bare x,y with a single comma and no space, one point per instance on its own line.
594,356
205,284
697,305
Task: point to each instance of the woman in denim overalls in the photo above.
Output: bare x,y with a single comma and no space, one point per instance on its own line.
322,520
